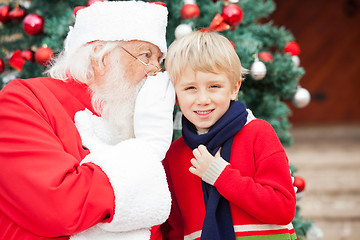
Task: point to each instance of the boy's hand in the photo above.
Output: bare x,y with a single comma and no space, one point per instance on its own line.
202,160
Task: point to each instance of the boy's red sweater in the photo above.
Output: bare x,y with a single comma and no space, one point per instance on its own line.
257,183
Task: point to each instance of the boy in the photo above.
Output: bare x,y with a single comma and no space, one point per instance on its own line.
228,173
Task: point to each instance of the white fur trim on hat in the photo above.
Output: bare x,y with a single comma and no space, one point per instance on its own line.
119,20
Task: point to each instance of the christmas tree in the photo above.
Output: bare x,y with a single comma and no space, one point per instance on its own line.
32,31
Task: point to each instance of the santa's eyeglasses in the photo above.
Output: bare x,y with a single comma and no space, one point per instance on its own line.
149,69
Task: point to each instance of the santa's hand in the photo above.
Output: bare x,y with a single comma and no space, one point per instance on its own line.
153,116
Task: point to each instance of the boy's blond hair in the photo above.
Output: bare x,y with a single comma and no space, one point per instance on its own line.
205,52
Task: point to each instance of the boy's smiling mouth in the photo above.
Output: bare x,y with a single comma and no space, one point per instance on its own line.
204,113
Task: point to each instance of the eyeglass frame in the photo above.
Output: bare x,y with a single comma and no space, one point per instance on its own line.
145,64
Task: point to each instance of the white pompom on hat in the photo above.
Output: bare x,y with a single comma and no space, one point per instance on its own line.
116,21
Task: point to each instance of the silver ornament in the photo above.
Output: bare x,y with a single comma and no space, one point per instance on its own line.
301,98
182,30
25,3
296,60
258,69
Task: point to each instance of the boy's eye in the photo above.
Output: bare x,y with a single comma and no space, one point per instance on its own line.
215,86
189,88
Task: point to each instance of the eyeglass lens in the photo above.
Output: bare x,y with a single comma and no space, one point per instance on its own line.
149,69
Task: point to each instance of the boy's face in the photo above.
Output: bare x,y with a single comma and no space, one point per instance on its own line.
204,97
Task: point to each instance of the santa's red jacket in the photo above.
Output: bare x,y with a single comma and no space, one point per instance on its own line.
44,191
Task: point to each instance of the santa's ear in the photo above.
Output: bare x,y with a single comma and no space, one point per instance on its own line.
97,63
98,66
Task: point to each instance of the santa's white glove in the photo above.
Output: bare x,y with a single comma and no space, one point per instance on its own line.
153,118
95,132
93,129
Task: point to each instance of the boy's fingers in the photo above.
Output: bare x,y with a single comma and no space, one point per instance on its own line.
202,149
193,170
194,163
196,153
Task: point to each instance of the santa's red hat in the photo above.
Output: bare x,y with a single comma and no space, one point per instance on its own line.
119,20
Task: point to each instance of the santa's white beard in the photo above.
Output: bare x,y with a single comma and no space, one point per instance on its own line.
115,100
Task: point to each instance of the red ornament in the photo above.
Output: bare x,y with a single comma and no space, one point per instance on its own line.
17,14
4,14
265,56
93,1
189,11
2,65
292,48
299,182
28,55
43,55
232,14
33,24
16,61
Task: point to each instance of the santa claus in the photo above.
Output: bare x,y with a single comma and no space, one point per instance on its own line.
81,150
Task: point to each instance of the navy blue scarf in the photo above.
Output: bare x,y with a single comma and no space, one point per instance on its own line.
218,223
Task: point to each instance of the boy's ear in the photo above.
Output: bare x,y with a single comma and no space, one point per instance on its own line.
235,90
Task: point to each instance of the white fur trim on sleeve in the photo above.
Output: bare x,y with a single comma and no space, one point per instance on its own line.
142,197
96,233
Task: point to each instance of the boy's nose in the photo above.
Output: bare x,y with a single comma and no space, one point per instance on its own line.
203,98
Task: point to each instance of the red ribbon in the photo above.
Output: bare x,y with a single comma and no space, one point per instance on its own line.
217,25
16,61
